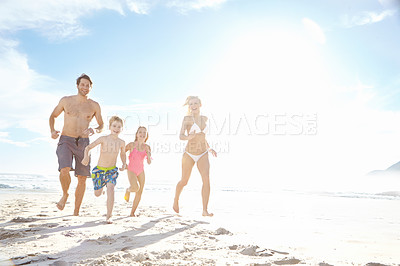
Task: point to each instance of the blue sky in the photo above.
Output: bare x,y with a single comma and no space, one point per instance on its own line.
249,61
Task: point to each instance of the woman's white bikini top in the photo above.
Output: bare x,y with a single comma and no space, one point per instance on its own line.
196,129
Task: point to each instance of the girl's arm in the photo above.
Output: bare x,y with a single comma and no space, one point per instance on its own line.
148,152
123,156
86,158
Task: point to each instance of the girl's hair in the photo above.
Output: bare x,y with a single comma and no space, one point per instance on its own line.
188,100
147,134
116,118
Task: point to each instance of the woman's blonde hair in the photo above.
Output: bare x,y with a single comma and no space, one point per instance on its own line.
188,100
147,134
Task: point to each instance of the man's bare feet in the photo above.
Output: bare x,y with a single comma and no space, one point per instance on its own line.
127,194
206,213
176,206
61,204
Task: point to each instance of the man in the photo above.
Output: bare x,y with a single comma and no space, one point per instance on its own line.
78,112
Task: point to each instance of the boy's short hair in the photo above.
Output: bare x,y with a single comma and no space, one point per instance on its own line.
83,76
116,118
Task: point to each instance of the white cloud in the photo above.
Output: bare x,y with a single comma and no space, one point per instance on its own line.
366,18
186,5
61,19
314,30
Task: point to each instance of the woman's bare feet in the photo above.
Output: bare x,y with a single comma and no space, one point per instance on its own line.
61,204
176,206
206,213
133,214
127,194
109,220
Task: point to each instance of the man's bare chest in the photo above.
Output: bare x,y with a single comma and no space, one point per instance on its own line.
79,110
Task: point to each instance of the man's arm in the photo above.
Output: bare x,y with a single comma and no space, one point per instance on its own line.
56,112
99,119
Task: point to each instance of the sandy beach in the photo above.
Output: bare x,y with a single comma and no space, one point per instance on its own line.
33,231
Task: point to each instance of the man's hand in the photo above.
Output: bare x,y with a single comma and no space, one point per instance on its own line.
89,131
54,134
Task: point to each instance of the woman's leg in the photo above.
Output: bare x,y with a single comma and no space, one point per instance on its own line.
204,168
133,181
187,166
138,194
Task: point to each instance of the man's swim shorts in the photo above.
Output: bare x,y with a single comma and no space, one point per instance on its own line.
69,148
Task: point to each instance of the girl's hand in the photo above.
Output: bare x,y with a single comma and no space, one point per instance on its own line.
123,167
213,152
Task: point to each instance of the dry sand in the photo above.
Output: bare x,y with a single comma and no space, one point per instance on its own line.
33,231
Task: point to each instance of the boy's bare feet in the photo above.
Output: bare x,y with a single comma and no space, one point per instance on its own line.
61,204
176,206
127,194
206,213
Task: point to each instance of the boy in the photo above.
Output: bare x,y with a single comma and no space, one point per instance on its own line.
105,173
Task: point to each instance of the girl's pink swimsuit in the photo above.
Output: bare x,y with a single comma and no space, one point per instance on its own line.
136,159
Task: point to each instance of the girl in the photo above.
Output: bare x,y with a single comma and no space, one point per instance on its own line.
138,151
197,148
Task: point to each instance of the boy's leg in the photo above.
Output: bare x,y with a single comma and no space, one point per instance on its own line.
65,180
110,201
79,193
138,194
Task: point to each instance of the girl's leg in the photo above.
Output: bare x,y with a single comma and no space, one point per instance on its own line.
204,168
110,201
187,166
138,194
134,187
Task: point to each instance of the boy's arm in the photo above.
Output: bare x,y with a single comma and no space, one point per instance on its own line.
123,156
128,147
85,160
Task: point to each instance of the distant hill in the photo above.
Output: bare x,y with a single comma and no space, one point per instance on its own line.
392,170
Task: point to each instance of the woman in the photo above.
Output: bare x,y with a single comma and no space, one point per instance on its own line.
194,128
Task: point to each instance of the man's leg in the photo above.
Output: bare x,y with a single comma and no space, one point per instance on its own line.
79,192
65,180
